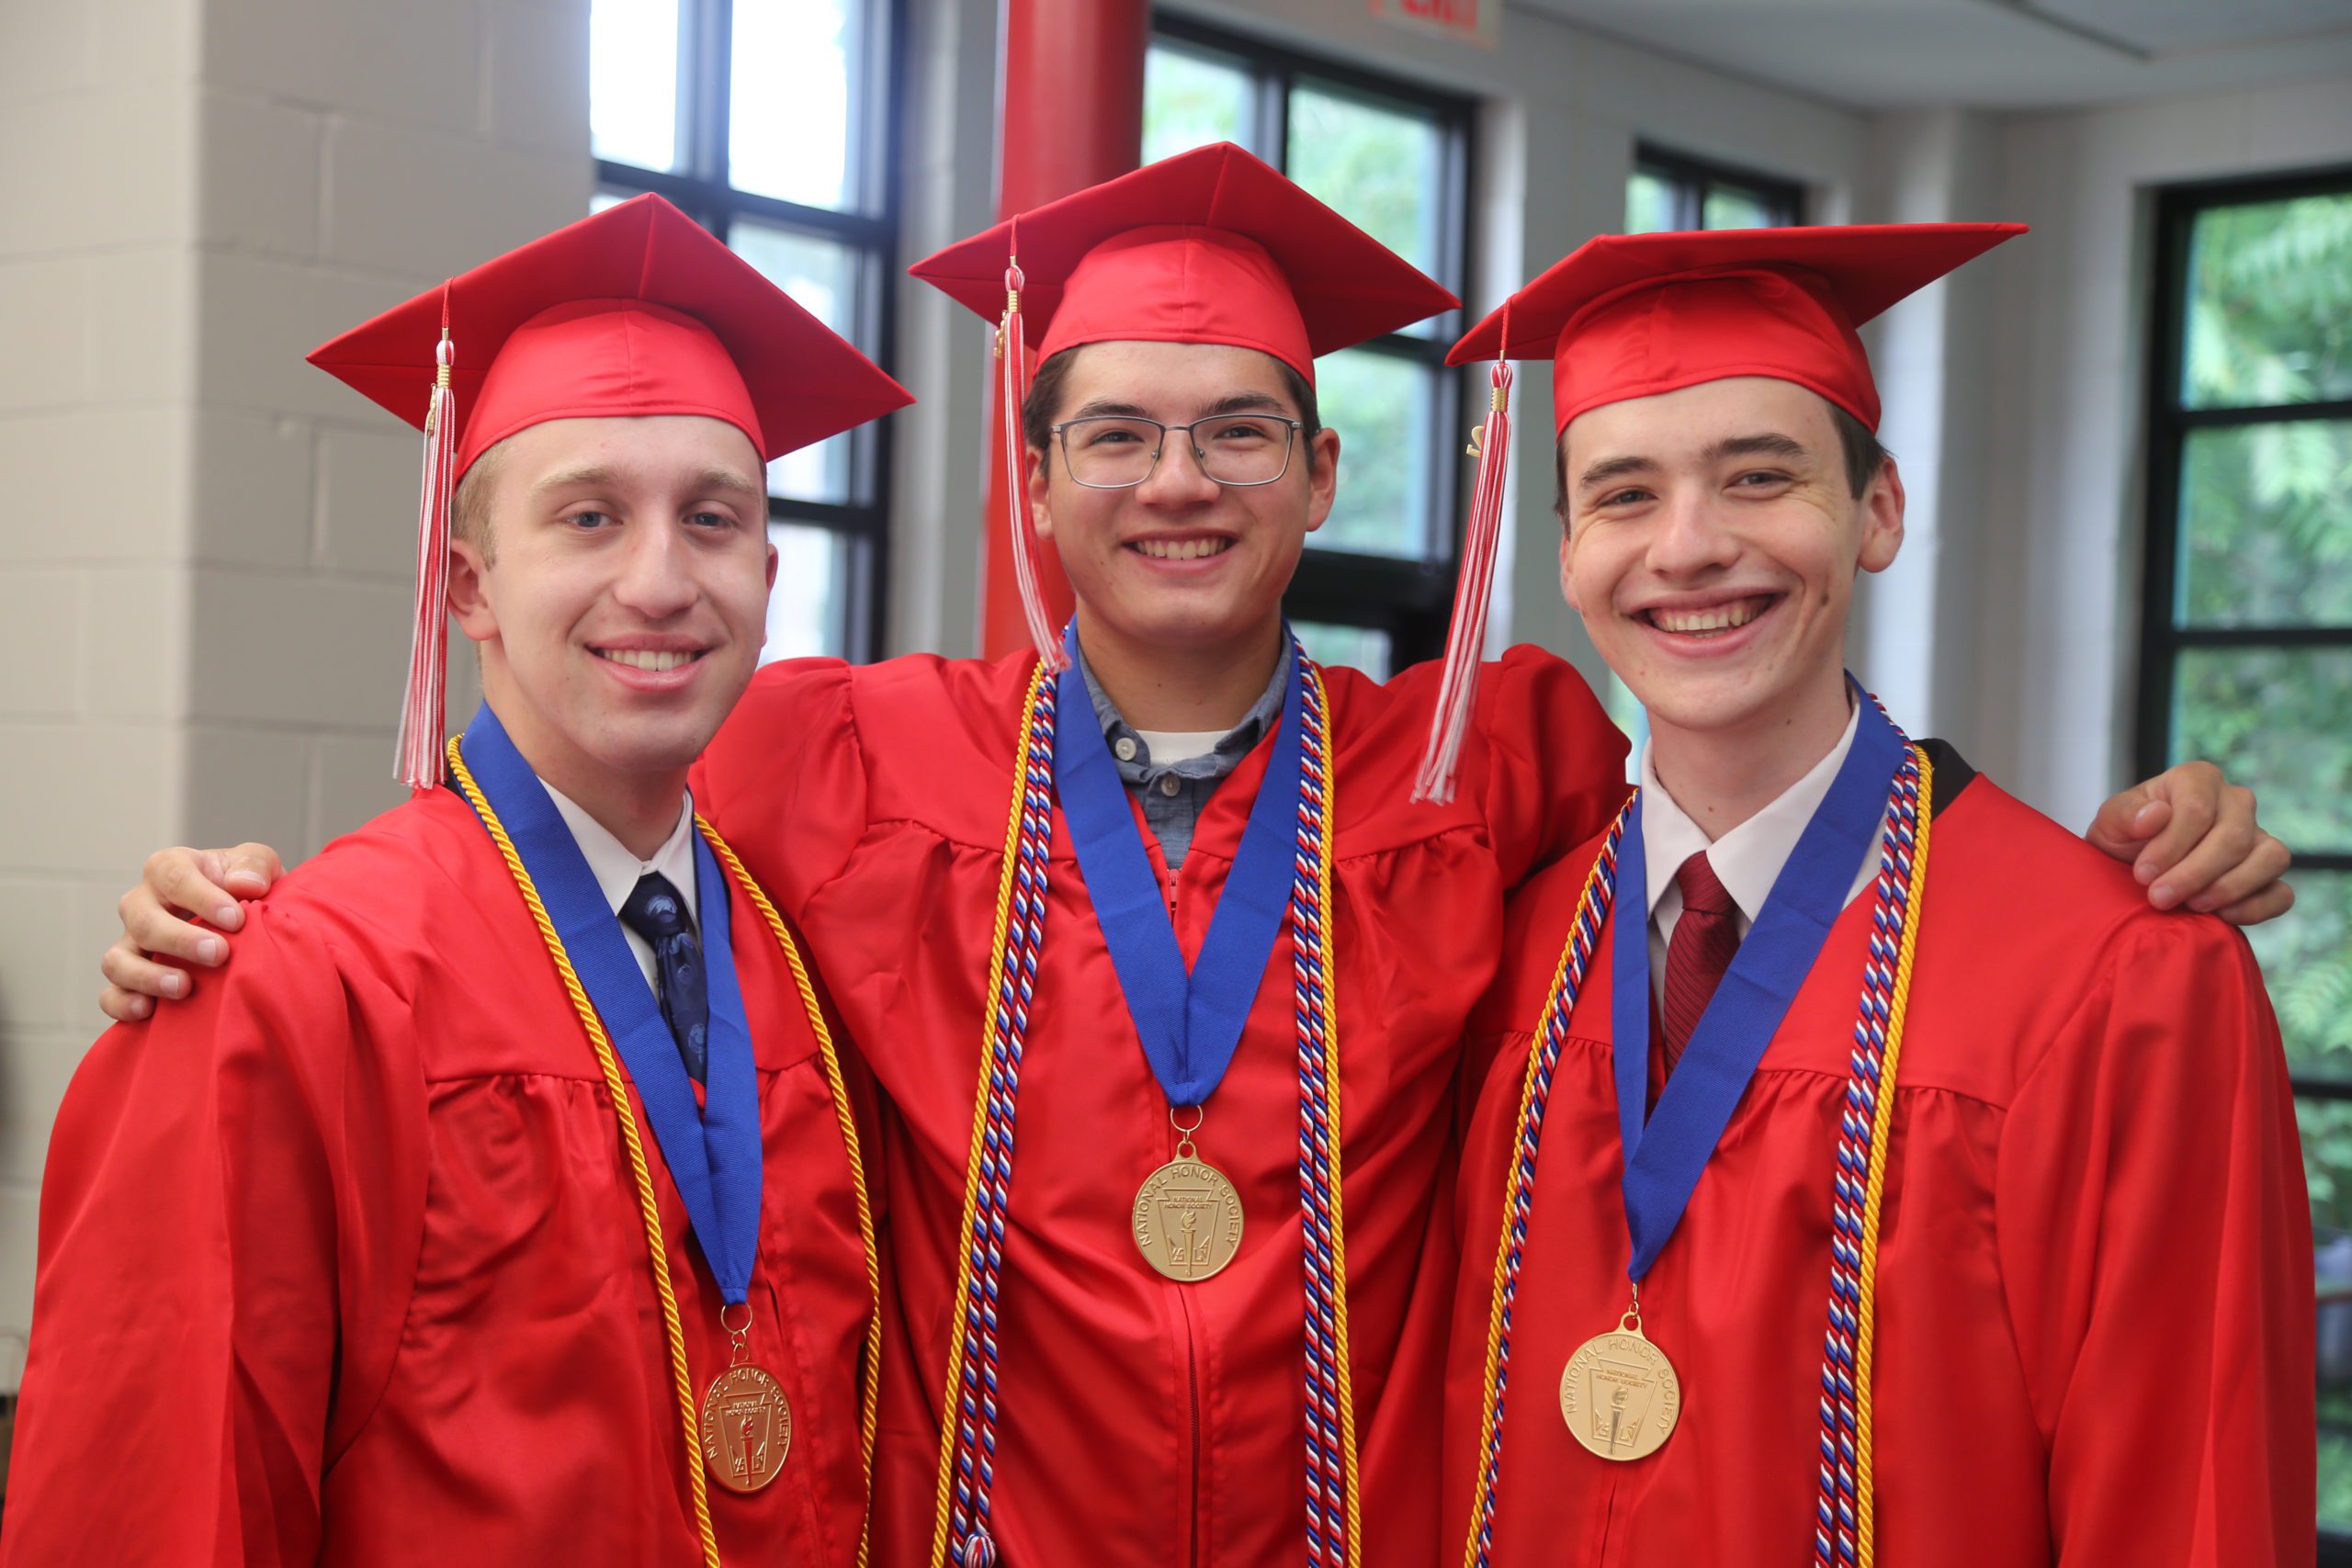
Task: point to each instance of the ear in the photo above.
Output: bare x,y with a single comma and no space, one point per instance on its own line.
1881,506
1322,477
764,620
1039,473
469,592
1568,578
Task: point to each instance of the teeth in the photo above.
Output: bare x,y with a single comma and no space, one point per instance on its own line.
645,658
1719,617
1182,549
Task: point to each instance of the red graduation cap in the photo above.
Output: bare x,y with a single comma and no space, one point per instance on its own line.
1210,246
635,312
1634,315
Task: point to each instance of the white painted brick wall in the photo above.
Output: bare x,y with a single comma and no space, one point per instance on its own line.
207,556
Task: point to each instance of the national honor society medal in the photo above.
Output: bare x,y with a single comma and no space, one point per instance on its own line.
1619,1393
1187,1214
746,1421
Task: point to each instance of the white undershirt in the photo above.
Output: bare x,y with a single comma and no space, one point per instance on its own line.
1169,747
1747,860
617,870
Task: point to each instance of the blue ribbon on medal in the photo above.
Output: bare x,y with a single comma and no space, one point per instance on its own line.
1187,1215
1665,1153
1619,1393
713,1151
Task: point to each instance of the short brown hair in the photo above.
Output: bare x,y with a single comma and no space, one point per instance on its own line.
1045,390
469,508
1864,457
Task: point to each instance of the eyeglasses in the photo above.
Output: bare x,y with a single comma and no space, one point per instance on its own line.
1117,452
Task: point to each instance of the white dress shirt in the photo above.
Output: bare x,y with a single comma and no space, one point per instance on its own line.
617,870
1747,860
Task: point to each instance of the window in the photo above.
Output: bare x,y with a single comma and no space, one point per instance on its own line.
766,121
1375,587
1670,191
2247,636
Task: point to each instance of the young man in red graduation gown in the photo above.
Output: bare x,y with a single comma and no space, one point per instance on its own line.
353,1262
1958,1189
1144,1141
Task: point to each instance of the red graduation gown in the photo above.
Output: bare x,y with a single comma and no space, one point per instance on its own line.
341,1261
1148,1423
2095,1264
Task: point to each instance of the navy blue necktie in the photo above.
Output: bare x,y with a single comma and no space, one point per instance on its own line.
657,913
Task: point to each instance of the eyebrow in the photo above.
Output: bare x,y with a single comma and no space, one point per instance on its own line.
729,479
593,476
1109,408
1233,403
1764,443
597,476
1614,469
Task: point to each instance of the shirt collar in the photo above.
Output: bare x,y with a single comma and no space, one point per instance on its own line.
1748,859
1221,759
616,869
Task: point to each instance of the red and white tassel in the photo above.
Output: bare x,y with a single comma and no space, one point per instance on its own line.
1012,356
1466,641
424,708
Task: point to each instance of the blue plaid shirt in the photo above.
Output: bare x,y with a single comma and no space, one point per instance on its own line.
1175,793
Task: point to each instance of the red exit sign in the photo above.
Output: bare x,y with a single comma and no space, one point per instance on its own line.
1466,22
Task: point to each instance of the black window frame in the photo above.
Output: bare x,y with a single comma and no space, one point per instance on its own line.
700,187
1410,601
2170,421
1692,178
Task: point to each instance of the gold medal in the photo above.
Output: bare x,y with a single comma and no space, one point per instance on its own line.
746,1421
1619,1393
1187,1214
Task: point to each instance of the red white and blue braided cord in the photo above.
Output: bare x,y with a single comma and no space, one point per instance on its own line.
1837,1523
965,1539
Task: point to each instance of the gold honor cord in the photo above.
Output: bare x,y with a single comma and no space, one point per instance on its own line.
1882,1126
1520,1177
649,1209
949,1404
1323,899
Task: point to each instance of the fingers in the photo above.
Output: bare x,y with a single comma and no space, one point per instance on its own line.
123,1006
248,870
185,879
133,974
2126,821
2263,866
2227,837
149,927
2267,905
2223,847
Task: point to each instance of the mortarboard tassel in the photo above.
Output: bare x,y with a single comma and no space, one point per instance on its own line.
1466,642
1012,352
425,709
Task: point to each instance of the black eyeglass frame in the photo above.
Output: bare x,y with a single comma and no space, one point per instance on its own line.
1289,445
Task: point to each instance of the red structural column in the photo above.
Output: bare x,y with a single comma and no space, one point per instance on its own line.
1072,117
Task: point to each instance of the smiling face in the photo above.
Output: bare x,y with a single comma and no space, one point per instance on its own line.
622,604
1181,563
1711,547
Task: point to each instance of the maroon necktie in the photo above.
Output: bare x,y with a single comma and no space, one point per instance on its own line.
1705,937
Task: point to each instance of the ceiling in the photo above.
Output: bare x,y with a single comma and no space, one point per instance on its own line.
1992,54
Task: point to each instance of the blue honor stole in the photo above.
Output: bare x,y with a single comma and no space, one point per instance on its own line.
1666,1152
713,1151
1189,1022
1186,1218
